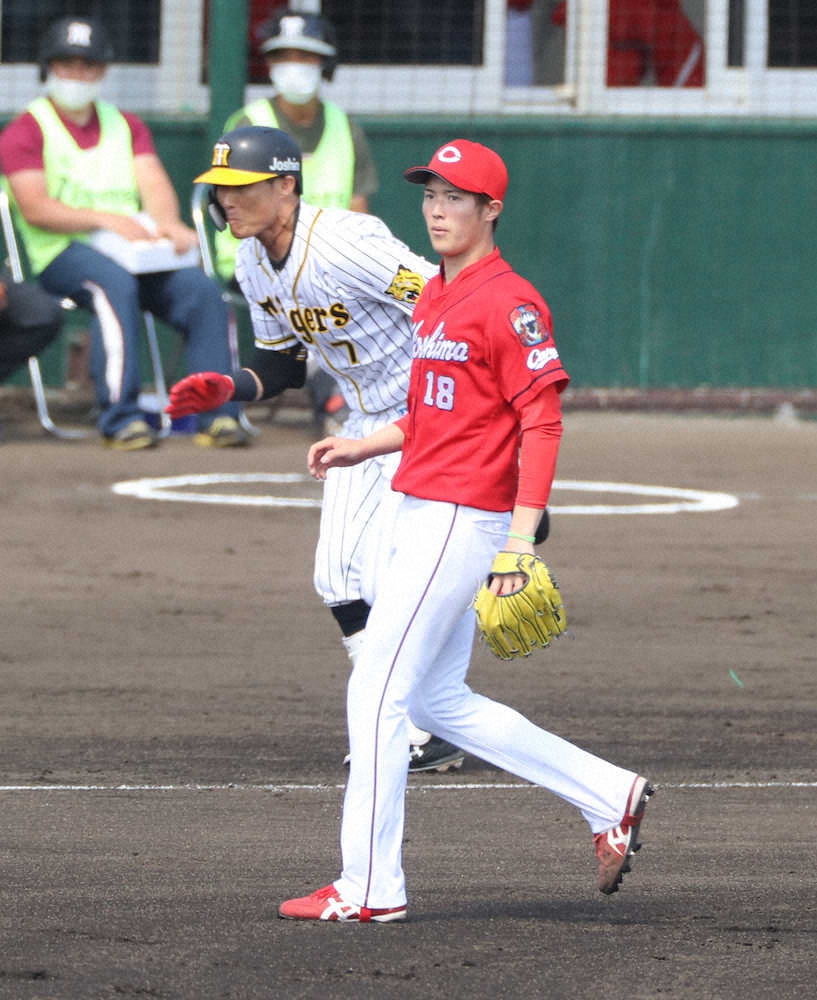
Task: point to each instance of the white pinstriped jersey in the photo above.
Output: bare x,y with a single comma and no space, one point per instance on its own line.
346,291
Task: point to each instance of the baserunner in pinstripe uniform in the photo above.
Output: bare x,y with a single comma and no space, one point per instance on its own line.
341,285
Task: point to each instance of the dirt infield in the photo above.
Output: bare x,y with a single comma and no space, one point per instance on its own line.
172,733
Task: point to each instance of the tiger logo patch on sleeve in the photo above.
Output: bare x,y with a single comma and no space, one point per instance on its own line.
406,285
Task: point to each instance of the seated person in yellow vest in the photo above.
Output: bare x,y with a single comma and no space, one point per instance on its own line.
338,168
75,167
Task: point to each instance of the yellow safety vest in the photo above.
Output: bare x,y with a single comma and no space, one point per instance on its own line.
328,173
102,178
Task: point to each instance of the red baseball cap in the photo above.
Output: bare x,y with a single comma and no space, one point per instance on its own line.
469,166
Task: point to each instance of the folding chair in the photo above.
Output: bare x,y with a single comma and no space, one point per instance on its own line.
15,265
198,211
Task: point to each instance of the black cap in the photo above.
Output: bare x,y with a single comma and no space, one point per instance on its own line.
75,38
289,29
253,153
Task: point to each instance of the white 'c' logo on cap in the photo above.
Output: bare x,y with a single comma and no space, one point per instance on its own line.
449,154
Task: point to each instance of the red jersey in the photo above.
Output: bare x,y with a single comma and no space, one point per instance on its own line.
483,351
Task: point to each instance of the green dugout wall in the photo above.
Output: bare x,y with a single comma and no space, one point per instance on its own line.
672,253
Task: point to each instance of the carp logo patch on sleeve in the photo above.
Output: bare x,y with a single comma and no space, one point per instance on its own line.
406,285
529,325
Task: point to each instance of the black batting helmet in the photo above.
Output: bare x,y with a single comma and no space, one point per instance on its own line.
75,38
289,29
253,153
248,155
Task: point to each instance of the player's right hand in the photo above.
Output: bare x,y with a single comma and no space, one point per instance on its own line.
332,452
199,392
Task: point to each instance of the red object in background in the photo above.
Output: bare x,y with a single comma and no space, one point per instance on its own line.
646,33
260,11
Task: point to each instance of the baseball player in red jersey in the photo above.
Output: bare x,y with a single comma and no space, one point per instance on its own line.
479,446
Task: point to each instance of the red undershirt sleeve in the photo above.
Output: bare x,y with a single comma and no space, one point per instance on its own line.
541,431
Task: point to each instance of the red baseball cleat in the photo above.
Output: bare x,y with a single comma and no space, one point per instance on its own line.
615,847
326,904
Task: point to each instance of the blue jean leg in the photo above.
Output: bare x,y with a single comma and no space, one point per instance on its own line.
111,294
191,302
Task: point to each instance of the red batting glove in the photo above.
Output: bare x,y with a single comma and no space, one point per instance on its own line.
199,392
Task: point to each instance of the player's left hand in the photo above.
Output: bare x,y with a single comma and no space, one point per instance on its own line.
515,623
199,392
503,584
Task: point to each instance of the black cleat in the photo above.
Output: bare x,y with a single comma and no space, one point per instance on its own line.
435,755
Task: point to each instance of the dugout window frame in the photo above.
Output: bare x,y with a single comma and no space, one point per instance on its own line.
172,87
175,87
749,89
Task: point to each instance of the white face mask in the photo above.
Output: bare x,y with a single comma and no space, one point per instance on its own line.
297,83
73,95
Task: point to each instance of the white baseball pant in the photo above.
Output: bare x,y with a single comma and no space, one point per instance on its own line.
414,660
351,513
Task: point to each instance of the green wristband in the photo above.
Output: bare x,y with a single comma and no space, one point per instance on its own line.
524,538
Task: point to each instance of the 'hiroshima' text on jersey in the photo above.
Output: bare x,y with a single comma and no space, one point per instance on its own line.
436,346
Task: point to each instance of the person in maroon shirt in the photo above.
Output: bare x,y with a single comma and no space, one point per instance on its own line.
74,58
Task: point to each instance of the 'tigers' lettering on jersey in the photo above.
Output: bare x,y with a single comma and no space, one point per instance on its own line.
312,320
309,320
272,307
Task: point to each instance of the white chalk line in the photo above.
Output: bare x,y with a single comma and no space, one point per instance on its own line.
448,787
177,488
167,488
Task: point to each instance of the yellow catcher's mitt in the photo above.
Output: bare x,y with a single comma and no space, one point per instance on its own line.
516,623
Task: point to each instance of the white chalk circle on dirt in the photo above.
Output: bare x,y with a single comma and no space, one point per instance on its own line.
185,489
